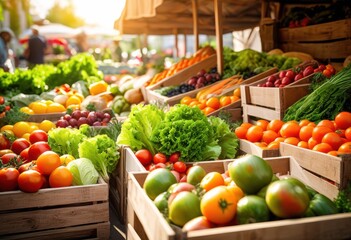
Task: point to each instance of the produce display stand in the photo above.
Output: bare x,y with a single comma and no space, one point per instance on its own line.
177,79
271,102
334,172
56,213
45,116
146,222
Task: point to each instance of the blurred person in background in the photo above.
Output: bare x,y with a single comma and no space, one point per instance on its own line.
36,48
116,50
5,52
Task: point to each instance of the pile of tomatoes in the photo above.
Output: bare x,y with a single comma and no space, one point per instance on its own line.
328,136
29,165
160,160
247,192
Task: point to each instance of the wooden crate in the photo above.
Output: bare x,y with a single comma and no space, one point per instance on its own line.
323,41
47,116
271,102
235,113
56,213
250,148
177,79
336,171
119,181
146,222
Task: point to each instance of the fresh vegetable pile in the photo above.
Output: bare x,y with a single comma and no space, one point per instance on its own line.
325,102
248,192
181,129
328,136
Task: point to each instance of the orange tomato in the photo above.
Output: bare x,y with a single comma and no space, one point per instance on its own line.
237,92
333,153
343,120
305,133
290,129
224,101
292,140
194,103
348,133
275,125
345,148
262,145
273,145
219,205
311,143
269,136
213,102
327,123
211,180
279,139
333,139
241,132
208,110
254,134
61,177
234,98
319,132
262,123
186,100
48,161
322,147
246,125
236,190
302,144
304,122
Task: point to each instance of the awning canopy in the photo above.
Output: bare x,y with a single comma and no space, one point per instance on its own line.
160,17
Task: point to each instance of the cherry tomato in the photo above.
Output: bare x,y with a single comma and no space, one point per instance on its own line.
7,157
144,156
30,181
8,179
160,158
19,145
174,157
24,155
4,142
179,167
2,100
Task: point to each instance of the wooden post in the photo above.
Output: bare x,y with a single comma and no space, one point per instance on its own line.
176,47
195,24
185,44
219,34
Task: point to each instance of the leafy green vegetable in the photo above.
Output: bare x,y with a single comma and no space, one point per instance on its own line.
343,200
326,101
83,171
112,130
102,151
226,138
138,127
65,140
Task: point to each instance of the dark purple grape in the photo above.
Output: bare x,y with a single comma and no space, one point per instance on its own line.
192,81
208,78
62,123
73,122
82,120
201,80
107,115
76,114
67,117
100,114
97,124
84,113
199,85
201,73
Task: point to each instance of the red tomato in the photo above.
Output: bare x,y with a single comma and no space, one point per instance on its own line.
30,181
144,156
38,136
160,158
2,100
7,157
4,142
36,149
8,179
19,145
197,223
174,157
24,155
25,167
179,167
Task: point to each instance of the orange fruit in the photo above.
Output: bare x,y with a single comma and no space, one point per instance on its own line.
237,92
55,108
46,125
213,102
73,100
224,101
20,128
38,107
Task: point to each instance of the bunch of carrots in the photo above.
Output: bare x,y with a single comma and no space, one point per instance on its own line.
200,55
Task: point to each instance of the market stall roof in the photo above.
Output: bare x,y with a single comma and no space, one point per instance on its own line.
161,17
52,30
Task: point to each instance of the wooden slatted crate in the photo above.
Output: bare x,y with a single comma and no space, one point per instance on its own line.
324,41
271,102
250,148
146,222
56,213
335,170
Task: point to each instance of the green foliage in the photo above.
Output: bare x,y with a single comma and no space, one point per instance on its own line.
343,200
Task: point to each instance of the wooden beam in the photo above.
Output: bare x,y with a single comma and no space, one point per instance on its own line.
185,45
219,34
176,47
195,24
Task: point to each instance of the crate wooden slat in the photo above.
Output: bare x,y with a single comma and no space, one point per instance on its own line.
324,41
336,169
250,148
323,227
47,116
54,209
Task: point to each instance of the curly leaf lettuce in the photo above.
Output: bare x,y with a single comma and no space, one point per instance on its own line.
137,129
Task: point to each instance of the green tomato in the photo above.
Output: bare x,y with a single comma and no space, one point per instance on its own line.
321,205
287,198
251,173
158,181
252,209
195,175
184,207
